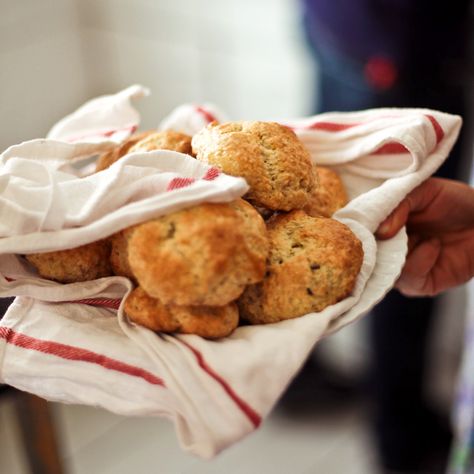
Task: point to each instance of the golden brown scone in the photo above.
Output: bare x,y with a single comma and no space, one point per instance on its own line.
107,159
255,238
206,321
165,140
329,196
313,263
84,263
268,155
253,228
198,256
119,253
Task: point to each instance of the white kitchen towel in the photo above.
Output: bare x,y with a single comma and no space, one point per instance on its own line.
44,208
105,118
72,343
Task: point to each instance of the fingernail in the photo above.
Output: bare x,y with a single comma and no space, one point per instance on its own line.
384,228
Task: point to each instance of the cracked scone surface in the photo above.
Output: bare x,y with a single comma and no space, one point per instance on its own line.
197,256
268,155
329,196
313,263
206,321
84,263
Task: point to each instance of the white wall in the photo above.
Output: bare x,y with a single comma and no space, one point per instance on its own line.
41,73
246,56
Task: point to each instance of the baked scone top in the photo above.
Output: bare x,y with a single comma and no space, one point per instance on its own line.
196,256
164,140
313,263
268,155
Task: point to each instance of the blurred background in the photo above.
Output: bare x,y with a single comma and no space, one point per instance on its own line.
59,53
253,60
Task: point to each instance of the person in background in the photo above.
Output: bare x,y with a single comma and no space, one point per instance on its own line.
397,53
439,216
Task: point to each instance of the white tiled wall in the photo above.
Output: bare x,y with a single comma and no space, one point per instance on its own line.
41,73
246,56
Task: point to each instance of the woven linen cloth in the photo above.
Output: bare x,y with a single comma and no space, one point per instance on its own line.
72,343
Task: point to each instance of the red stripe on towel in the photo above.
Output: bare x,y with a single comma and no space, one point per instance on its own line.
248,411
437,128
206,114
177,183
329,126
68,352
391,148
211,174
103,133
105,302
338,127
387,148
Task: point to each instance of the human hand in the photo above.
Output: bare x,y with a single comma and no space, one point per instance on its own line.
439,215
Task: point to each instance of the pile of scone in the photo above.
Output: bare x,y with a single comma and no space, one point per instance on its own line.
276,254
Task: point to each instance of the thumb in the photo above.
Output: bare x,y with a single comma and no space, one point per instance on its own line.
418,200
395,221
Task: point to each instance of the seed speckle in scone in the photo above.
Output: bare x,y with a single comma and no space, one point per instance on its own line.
207,321
313,263
268,155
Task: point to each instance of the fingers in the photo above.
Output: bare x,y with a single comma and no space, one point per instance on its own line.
395,221
418,200
417,278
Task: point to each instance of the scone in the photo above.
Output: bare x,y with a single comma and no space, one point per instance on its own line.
165,140
253,228
313,263
268,155
206,321
119,253
204,255
329,196
83,263
107,159
254,235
